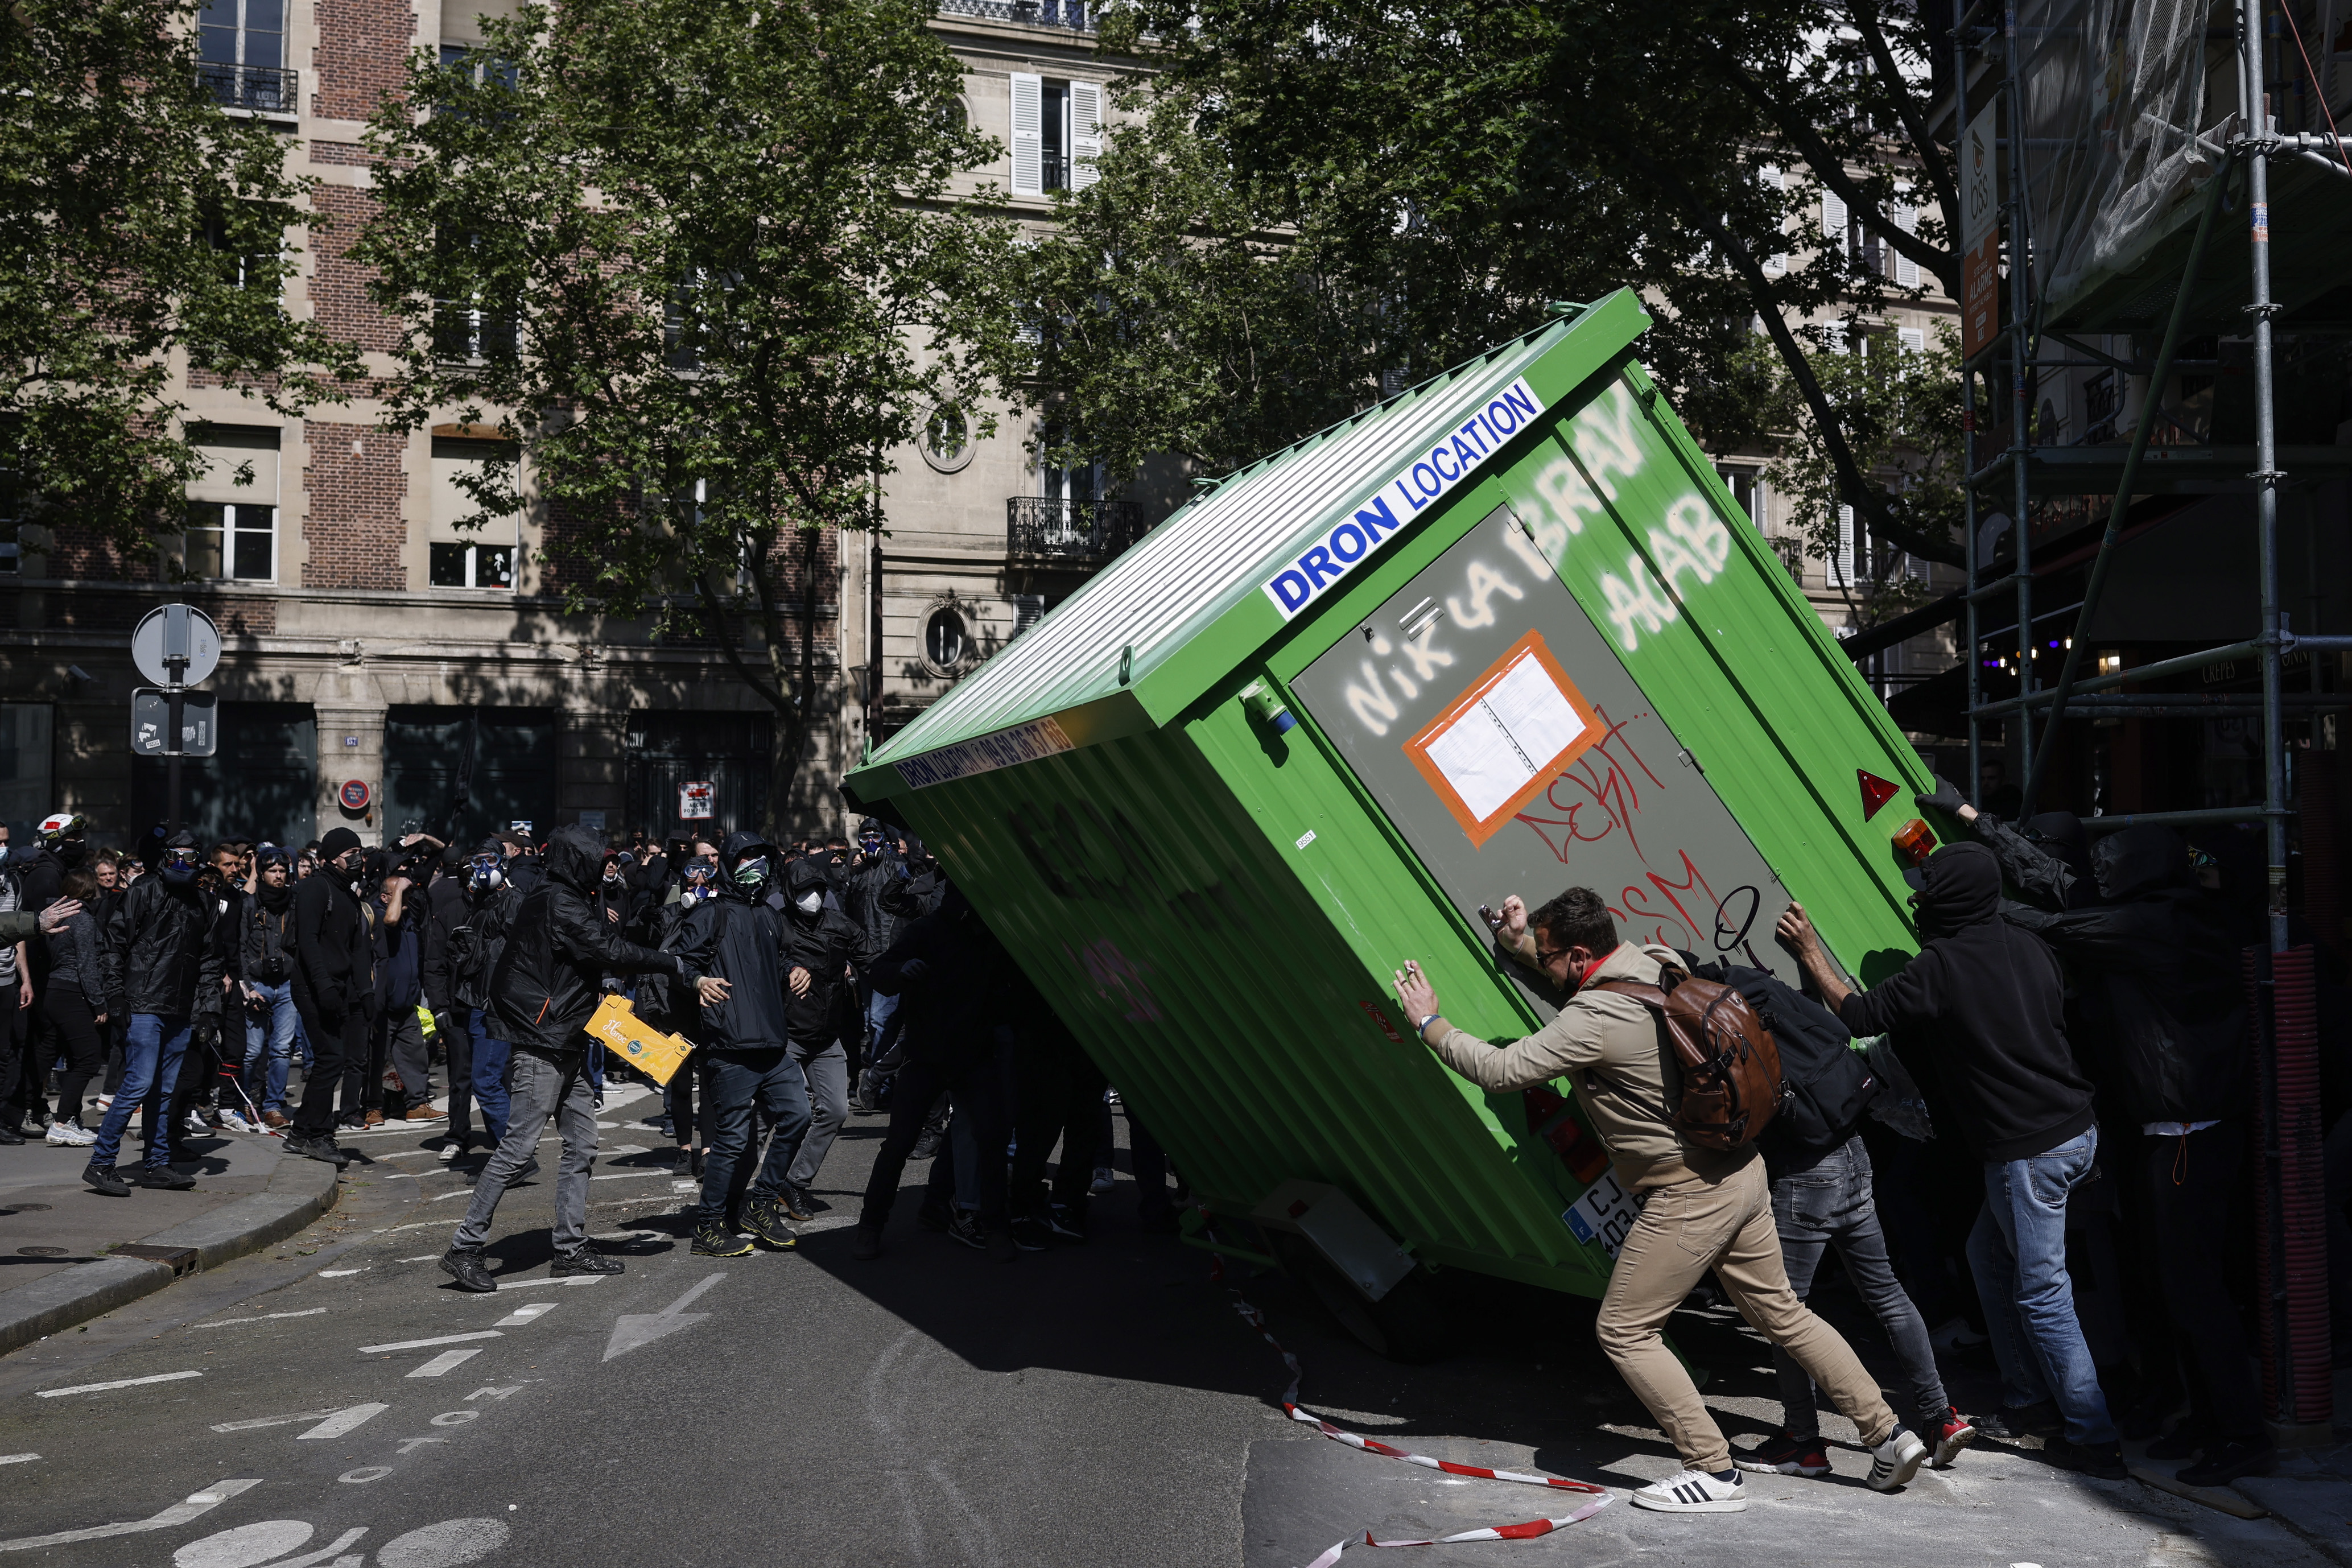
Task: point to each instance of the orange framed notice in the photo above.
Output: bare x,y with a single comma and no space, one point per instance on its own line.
1500,743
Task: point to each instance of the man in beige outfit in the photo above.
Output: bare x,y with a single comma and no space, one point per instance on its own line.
1705,1209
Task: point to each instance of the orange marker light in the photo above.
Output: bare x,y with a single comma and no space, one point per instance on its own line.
1915,841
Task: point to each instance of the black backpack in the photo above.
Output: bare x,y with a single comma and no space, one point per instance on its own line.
1826,1086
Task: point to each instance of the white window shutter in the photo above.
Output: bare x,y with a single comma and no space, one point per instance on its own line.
1028,136
1085,133
1768,176
1842,563
1915,339
1907,271
1833,220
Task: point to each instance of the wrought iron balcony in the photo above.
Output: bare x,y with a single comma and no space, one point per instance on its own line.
263,89
1072,533
1070,14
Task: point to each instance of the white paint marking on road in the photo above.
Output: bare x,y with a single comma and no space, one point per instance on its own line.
619,1095
632,1330
364,1474
326,1553
522,1315
420,1257
118,1382
623,1175
404,1175
456,1417
623,1149
343,1421
443,1362
244,1546
341,1273
686,1186
451,1543
408,1443
18,1459
197,1505
445,1197
427,1344
495,1393
567,1280
824,1222
225,1323
622,1235
258,1422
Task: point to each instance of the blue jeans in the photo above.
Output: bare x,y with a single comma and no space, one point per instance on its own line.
490,1057
2018,1252
737,1080
151,1048
271,1028
881,1032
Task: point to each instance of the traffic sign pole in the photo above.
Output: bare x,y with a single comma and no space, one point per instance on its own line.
176,646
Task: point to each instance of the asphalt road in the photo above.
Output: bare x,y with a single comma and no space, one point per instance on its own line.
332,1403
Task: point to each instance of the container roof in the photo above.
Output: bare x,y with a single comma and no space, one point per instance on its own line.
1212,558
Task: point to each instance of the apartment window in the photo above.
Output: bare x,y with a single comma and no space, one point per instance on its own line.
459,556
946,642
1747,487
468,328
241,55
232,530
1056,134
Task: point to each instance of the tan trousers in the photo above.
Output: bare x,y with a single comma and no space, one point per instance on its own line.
1688,1228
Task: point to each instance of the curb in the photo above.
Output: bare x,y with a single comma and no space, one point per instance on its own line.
299,1191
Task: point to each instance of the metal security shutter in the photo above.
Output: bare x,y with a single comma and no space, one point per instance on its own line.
727,750
262,782
513,778
1028,135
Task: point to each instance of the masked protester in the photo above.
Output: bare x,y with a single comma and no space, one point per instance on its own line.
163,972
681,1011
473,912
546,985
1986,1001
820,945
265,975
334,984
738,940
60,844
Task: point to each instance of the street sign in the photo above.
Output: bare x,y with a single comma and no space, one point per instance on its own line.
354,795
695,798
177,633
151,722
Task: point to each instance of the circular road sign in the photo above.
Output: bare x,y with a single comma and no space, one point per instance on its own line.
353,794
176,632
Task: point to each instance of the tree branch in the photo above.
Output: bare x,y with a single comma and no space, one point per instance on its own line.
1829,169
1948,196
1866,502
716,609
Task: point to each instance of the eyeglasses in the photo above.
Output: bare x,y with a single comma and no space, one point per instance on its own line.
1546,955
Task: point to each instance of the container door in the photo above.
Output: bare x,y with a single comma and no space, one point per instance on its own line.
1506,741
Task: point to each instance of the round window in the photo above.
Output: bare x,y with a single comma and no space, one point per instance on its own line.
945,641
946,443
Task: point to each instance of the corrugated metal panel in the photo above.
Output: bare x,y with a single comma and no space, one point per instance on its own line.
1214,554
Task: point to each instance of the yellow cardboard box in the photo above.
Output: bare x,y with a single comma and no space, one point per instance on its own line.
634,1041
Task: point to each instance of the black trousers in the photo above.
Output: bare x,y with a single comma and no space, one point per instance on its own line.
15,1031
334,1047
2187,1182
69,1028
458,1041
1057,1096
979,1091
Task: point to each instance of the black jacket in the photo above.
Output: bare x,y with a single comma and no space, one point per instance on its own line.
883,900
2158,966
821,943
467,933
264,945
1988,1002
334,959
741,941
157,954
955,982
559,949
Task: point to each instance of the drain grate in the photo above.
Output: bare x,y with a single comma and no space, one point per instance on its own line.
183,1259
40,1252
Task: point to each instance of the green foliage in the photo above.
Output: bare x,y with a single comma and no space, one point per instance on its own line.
692,256
1900,413
1328,190
139,223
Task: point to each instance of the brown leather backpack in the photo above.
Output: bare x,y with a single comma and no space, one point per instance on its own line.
1730,1064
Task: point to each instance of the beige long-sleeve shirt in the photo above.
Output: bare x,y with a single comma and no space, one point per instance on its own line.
1610,1047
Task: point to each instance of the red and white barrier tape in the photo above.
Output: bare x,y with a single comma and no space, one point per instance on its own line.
1526,1531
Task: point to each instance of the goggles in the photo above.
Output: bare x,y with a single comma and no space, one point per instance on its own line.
182,857
701,870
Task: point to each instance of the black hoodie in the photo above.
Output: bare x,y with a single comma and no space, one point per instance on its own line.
734,936
559,950
1988,1000
821,943
2158,960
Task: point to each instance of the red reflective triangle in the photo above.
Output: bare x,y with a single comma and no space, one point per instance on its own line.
1876,792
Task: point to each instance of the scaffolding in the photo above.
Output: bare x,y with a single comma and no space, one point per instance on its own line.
2125,130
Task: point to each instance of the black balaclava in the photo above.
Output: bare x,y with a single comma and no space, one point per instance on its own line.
1960,888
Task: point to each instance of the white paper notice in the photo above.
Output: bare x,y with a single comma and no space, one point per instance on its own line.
1522,724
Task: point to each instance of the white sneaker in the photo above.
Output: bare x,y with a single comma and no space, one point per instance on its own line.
1694,1491
1893,1462
236,1123
106,1102
65,1135
199,1127
448,1151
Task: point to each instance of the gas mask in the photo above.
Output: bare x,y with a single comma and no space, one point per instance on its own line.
810,902
179,868
485,875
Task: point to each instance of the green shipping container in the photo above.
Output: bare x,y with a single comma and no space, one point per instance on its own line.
1504,633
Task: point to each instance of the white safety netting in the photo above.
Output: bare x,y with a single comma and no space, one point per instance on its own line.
2120,129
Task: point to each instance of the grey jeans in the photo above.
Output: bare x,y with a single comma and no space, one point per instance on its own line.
541,1087
1832,1203
826,1071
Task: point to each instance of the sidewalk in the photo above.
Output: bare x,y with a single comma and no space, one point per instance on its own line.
59,1260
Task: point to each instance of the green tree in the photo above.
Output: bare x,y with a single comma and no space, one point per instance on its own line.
142,230
696,259
1336,192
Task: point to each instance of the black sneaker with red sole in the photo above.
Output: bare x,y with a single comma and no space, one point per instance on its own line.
1786,1454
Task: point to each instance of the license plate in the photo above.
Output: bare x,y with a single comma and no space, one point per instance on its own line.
1605,1213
